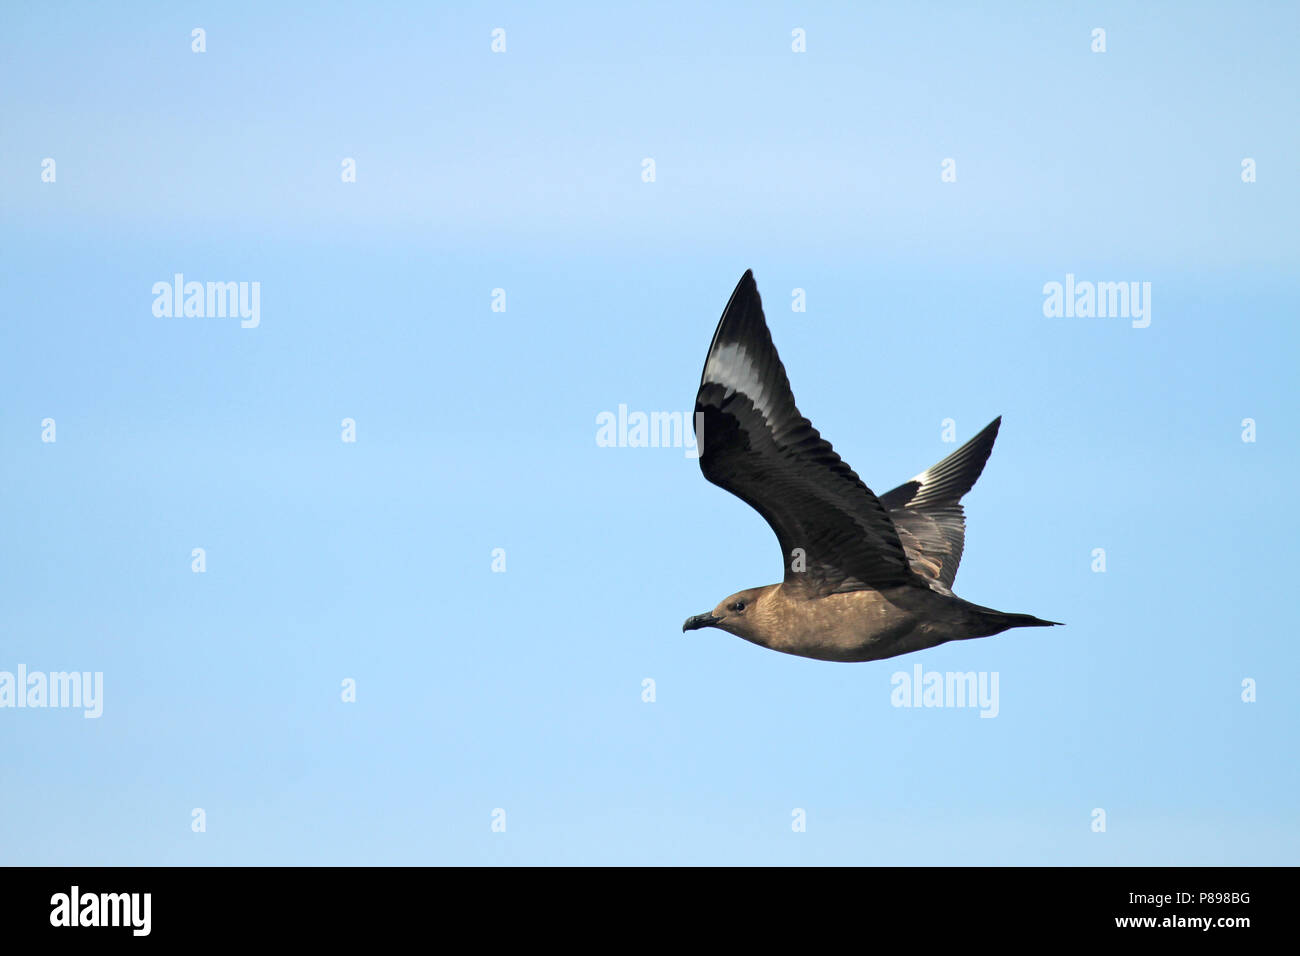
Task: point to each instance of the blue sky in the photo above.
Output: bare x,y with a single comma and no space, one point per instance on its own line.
476,429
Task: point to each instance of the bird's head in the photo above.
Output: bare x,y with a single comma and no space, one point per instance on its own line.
740,614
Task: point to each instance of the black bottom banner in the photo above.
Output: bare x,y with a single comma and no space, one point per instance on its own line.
1173,905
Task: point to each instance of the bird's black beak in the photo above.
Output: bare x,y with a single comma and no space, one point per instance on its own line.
699,621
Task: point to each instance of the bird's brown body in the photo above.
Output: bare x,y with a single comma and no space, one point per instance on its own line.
866,577
866,625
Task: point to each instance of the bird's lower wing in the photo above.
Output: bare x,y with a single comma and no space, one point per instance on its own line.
927,511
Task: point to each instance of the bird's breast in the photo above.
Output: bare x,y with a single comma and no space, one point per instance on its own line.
856,626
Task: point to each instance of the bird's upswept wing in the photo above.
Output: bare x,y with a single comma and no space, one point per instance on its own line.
756,445
927,511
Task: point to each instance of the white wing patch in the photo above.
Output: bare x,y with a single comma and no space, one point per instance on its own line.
730,366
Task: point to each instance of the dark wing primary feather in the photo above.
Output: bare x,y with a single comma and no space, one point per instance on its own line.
756,445
927,510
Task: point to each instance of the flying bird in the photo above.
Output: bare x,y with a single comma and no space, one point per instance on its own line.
866,577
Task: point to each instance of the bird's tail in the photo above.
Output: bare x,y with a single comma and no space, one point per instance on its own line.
1025,620
987,621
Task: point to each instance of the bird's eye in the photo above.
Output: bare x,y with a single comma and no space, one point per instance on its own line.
738,606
